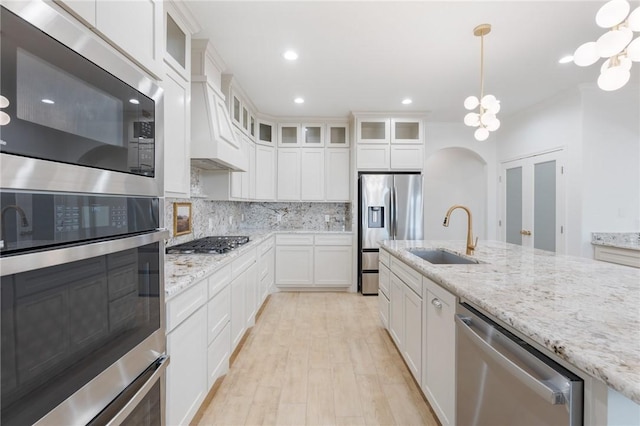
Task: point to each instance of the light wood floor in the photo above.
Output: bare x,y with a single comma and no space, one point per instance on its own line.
318,359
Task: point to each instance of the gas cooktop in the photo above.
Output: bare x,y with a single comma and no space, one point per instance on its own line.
209,245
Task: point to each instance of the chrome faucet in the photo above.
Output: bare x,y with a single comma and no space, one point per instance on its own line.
470,244
23,217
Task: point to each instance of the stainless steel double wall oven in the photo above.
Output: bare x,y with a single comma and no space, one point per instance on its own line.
82,238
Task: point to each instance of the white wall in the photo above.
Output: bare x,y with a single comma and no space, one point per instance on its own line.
600,133
459,170
611,161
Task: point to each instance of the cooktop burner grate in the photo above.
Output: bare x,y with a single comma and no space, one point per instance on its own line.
209,245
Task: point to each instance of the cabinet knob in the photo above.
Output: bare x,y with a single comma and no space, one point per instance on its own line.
525,232
437,303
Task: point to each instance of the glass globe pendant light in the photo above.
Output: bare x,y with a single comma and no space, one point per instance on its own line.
488,106
617,45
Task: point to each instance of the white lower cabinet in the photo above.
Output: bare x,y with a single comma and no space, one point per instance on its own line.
266,269
423,328
187,371
320,261
384,277
440,349
412,350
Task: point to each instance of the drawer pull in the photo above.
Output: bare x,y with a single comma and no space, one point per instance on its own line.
437,303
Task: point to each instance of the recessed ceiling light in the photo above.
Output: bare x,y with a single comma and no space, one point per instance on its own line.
298,100
566,59
48,101
406,101
290,55
134,101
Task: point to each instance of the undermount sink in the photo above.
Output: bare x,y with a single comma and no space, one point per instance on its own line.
442,257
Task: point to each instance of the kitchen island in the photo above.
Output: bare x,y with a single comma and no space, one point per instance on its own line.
580,311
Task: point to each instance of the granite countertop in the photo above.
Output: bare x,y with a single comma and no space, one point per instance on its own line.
625,240
585,312
181,271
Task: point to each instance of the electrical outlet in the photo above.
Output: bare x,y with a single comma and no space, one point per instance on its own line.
230,220
210,224
278,217
242,217
327,218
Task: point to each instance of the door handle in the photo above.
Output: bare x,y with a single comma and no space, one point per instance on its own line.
525,232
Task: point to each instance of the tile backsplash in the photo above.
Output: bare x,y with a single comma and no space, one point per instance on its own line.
212,217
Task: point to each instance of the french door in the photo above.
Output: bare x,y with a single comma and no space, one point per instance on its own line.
533,199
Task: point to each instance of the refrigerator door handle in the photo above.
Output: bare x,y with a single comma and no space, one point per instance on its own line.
392,213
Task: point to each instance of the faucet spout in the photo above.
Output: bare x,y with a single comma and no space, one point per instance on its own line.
447,219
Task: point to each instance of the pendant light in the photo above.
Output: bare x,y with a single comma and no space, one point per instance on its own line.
485,119
616,45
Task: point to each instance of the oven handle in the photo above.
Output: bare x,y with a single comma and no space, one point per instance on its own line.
44,259
553,396
130,404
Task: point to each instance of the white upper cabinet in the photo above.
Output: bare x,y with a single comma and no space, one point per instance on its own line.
313,135
136,27
373,130
288,174
289,135
312,174
337,174
265,172
406,130
337,135
266,133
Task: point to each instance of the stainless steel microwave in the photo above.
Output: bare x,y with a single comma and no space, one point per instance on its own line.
75,116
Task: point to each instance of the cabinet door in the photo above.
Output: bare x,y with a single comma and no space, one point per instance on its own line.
373,157
312,174
251,294
218,356
136,27
332,266
337,174
407,131
407,157
265,173
177,156
396,311
373,130
337,135
412,351
238,318
187,372
177,41
294,266
288,174
266,133
440,354
313,135
383,310
289,135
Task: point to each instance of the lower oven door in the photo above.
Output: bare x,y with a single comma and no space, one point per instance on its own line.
79,325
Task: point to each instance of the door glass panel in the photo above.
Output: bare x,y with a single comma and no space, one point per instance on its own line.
176,41
312,135
338,135
289,135
265,132
372,130
514,205
409,131
544,206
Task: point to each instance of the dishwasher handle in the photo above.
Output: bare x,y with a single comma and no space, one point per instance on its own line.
553,396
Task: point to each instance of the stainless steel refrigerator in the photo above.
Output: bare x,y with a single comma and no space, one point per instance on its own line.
390,208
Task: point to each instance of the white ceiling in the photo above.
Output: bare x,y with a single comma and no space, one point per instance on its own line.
369,55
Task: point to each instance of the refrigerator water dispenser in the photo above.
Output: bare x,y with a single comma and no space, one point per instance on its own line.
376,217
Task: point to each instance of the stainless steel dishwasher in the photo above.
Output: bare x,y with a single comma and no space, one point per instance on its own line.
503,381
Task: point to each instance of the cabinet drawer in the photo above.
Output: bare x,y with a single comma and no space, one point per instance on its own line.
409,276
384,257
383,280
333,240
439,292
219,312
294,239
242,263
180,307
618,255
219,280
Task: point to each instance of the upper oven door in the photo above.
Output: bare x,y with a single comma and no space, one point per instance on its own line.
61,107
